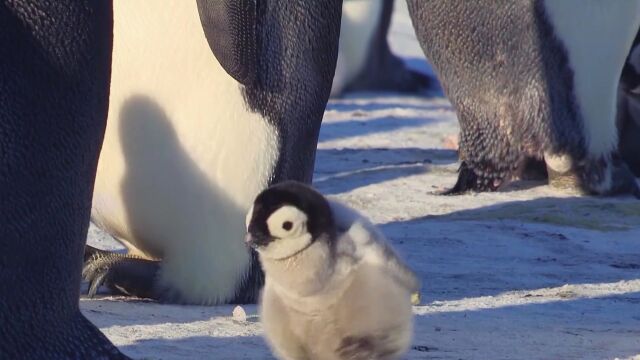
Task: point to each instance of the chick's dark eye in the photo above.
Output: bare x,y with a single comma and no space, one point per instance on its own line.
287,225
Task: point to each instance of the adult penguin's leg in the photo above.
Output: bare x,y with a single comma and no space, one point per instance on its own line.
54,85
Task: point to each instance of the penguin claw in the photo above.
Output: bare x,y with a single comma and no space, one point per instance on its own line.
469,180
121,273
95,268
94,284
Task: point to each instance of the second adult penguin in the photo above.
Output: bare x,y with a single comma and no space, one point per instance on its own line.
532,79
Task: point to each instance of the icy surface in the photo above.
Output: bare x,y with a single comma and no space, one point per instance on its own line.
526,273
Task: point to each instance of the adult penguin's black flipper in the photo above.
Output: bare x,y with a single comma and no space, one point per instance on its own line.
230,29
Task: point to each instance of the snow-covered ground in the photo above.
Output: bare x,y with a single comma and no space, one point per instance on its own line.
526,273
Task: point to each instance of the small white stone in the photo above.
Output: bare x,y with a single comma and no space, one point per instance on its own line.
239,314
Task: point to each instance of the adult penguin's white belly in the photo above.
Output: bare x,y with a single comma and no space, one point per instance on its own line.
597,36
582,26
183,157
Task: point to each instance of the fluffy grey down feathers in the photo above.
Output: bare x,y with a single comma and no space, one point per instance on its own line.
350,303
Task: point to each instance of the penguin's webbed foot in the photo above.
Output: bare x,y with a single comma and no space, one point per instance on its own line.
121,273
470,180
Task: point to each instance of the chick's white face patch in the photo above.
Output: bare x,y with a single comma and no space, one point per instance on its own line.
288,226
288,221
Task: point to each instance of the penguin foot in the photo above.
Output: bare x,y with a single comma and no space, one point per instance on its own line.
368,347
609,177
396,77
469,180
121,273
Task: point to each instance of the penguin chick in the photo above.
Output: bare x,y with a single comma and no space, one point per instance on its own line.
334,288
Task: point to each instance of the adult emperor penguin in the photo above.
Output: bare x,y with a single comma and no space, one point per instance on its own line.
54,86
335,289
365,60
211,102
532,78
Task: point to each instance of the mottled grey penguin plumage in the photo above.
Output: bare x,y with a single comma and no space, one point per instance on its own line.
532,79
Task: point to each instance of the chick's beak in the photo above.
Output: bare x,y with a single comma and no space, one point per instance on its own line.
256,241
249,241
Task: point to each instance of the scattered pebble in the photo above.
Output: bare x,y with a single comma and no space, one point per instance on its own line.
450,142
239,314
